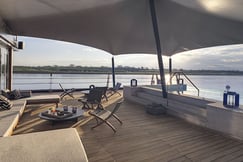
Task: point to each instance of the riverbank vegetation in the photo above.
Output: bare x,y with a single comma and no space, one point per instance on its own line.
83,69
72,69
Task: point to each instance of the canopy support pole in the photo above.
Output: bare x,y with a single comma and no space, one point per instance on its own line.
157,41
170,69
113,72
9,80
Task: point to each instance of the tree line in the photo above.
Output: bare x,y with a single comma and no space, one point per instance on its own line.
81,69
119,69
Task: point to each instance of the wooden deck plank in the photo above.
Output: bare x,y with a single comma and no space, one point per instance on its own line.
230,157
181,159
238,159
220,152
198,143
144,137
201,154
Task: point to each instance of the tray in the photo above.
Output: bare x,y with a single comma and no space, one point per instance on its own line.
60,114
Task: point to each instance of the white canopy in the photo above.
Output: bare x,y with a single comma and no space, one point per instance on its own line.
125,26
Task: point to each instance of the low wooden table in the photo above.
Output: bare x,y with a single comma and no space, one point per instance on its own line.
74,116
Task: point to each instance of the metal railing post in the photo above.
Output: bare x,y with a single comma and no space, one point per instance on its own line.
50,82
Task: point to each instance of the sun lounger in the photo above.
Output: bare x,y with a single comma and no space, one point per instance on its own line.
112,91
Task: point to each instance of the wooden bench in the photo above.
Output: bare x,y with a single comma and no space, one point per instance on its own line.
43,99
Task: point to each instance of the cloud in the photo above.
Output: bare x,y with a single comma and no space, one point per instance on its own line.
138,60
49,52
216,58
231,60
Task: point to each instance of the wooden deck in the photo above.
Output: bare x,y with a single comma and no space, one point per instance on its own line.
144,137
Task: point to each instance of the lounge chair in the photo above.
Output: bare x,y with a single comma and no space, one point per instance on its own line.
114,90
93,98
65,92
104,90
102,116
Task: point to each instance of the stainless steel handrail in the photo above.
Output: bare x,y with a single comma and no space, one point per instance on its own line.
178,75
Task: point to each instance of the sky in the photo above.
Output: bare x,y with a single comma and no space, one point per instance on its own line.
41,52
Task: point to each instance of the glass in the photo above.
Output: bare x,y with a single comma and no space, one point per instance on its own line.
65,108
74,109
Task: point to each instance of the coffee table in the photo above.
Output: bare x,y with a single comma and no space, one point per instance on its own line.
72,116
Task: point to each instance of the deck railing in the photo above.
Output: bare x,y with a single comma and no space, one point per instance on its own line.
78,81
180,80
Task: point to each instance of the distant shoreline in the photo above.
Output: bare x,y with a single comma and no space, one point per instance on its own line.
134,73
118,70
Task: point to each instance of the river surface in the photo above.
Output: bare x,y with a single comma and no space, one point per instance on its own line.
211,86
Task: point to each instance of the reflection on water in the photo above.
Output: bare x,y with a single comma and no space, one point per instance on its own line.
212,86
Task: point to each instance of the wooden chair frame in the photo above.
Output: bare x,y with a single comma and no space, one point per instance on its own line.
65,92
102,116
114,90
93,98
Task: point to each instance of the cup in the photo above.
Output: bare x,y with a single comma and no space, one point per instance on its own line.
65,108
74,109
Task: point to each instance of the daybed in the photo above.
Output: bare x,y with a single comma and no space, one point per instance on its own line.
10,118
55,145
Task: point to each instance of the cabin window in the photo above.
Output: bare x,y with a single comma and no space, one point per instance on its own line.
4,54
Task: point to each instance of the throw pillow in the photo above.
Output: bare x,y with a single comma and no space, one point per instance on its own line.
5,104
16,94
6,93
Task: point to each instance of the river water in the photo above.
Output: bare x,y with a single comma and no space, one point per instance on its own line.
211,86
